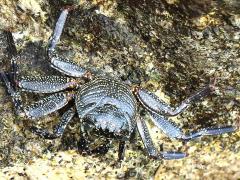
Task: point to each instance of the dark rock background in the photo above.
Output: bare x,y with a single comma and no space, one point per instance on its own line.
170,47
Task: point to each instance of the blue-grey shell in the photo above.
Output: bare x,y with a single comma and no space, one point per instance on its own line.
110,99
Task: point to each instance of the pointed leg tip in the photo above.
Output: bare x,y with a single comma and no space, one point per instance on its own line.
173,155
227,129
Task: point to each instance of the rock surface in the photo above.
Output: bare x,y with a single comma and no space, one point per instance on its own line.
170,47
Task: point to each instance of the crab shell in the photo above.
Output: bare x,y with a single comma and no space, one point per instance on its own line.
107,105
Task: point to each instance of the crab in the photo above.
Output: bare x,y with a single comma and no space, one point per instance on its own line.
107,106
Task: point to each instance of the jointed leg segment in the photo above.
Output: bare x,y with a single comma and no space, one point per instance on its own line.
159,109
63,65
16,98
152,151
13,55
48,105
42,84
46,84
152,103
58,130
41,108
173,131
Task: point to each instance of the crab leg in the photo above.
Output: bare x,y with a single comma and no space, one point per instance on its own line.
41,108
173,131
121,150
10,78
58,29
58,130
16,98
63,65
151,102
13,55
152,151
48,105
45,84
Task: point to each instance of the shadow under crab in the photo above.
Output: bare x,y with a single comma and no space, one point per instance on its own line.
105,105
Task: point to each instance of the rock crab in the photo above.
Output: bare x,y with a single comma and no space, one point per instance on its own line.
106,105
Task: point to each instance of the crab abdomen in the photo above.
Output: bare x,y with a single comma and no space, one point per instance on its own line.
108,105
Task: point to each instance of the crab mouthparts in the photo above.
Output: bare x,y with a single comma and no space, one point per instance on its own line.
108,121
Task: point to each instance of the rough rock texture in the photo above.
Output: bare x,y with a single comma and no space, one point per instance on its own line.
171,47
